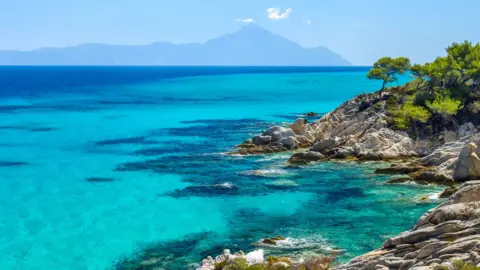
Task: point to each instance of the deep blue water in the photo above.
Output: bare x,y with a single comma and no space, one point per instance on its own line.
103,165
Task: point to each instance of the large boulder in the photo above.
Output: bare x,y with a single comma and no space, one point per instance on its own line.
277,133
306,157
299,126
262,140
323,145
288,142
467,166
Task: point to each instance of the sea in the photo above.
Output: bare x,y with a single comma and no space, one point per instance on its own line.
128,168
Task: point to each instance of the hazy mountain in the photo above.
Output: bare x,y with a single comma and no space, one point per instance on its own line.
251,45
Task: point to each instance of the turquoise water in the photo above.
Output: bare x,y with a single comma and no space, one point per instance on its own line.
103,165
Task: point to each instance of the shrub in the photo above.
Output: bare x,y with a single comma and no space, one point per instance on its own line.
421,97
474,107
460,265
392,101
407,113
443,103
237,264
272,259
257,267
220,265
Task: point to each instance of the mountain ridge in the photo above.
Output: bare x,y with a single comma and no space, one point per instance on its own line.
251,45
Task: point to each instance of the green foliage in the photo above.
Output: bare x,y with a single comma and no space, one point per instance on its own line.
257,267
458,67
237,264
392,101
387,69
418,71
460,265
273,259
221,265
443,103
407,113
441,267
422,96
475,106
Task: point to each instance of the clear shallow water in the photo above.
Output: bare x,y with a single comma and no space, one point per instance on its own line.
100,164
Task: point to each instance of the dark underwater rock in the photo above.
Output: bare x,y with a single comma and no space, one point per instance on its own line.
164,255
311,114
128,140
28,128
99,179
12,163
206,190
272,240
176,147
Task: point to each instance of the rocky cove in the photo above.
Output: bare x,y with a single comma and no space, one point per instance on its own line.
349,133
424,146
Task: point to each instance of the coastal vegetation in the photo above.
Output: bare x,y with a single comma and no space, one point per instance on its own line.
444,89
387,69
277,263
429,129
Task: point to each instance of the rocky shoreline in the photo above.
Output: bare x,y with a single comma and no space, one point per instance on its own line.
360,129
430,128
443,238
446,237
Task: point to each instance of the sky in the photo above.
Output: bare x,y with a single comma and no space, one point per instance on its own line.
359,30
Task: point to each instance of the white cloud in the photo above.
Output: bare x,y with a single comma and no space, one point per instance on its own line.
276,14
246,20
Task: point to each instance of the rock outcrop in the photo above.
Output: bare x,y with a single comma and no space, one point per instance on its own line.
467,165
361,128
278,139
447,233
350,130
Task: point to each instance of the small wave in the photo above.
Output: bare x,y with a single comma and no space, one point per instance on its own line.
233,155
434,196
272,157
266,172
